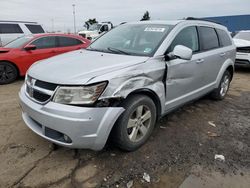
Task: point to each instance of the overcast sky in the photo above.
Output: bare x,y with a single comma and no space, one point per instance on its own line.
60,11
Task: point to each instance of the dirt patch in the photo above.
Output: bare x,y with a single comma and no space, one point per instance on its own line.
183,141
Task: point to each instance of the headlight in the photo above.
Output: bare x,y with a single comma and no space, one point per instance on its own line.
79,95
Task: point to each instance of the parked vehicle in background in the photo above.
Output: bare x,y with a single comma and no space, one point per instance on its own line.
125,81
95,30
10,30
242,42
17,56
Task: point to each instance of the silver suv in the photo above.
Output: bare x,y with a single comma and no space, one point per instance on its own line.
125,81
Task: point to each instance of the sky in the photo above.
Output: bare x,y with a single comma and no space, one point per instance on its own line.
58,14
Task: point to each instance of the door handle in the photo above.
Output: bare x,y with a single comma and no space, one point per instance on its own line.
223,54
53,51
200,61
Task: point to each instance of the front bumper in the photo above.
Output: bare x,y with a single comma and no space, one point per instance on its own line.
242,58
86,127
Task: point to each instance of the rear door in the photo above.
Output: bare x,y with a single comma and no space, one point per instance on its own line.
66,44
213,55
183,77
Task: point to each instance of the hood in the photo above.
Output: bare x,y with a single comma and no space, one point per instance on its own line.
4,50
79,66
241,43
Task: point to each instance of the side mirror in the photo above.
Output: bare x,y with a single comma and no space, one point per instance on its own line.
182,52
30,47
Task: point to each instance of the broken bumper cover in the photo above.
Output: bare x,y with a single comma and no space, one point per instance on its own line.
83,127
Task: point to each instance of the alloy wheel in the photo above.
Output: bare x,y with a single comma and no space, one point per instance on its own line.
224,86
6,73
139,123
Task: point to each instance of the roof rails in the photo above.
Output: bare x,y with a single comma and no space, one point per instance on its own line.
17,21
202,19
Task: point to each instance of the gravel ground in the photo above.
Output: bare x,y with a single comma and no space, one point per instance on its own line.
180,152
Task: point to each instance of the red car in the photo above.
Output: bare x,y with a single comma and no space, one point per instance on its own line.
17,56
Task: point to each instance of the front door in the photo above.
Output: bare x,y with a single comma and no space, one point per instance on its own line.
45,47
184,76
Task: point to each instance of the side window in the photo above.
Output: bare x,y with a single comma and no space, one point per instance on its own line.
10,28
102,29
209,39
68,41
187,37
45,42
35,28
224,38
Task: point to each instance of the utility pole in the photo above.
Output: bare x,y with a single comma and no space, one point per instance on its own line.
52,25
74,14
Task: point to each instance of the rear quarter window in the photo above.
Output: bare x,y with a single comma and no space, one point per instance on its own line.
10,28
208,38
224,38
35,28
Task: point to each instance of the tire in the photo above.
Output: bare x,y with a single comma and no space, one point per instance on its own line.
8,73
131,131
220,92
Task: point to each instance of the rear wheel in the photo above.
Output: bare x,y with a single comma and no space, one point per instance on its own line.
8,73
136,124
220,92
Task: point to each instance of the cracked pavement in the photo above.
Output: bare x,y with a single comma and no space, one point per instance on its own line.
180,152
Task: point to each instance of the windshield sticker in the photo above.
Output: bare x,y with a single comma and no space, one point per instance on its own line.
147,50
154,29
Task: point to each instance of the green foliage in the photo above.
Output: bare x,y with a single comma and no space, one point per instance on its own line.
145,16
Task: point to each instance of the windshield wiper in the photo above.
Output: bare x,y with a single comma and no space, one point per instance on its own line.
118,51
95,49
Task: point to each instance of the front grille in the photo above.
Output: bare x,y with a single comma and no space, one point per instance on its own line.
39,90
41,97
243,49
242,62
46,85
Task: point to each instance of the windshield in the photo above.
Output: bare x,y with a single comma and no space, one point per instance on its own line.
19,42
94,27
132,39
243,35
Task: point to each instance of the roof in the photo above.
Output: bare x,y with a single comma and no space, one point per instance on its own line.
11,21
175,22
56,34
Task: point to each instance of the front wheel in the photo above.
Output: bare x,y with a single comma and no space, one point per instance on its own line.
220,92
8,73
136,124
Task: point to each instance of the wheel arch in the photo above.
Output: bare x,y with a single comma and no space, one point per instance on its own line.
228,65
230,68
18,71
151,94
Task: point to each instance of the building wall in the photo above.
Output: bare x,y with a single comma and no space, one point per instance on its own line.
233,23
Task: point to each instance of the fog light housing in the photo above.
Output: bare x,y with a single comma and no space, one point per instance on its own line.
67,139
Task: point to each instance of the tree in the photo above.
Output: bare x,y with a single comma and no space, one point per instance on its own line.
90,22
145,16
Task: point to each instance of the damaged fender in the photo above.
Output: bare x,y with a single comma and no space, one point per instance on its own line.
136,78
